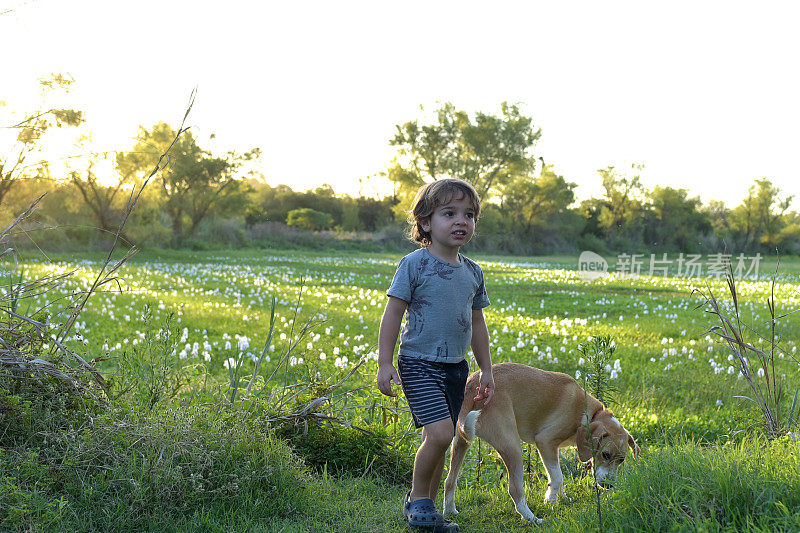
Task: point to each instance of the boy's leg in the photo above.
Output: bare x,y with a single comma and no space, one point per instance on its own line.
436,479
429,461
454,390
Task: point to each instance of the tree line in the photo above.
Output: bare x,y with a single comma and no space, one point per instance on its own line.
203,197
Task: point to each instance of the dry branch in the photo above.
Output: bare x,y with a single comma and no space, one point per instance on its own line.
22,336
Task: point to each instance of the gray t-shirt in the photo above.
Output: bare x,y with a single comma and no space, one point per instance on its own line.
440,297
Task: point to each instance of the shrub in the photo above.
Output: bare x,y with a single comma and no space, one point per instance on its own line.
225,232
151,371
592,243
309,219
122,474
29,409
41,387
343,450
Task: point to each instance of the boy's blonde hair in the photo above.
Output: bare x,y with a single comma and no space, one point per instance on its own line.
431,196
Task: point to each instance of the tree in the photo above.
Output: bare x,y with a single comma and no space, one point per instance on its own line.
789,237
487,151
374,213
104,201
760,219
718,215
620,217
194,184
275,203
350,213
31,131
269,204
533,202
590,210
675,222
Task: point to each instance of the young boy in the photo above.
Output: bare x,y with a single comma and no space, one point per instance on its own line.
443,294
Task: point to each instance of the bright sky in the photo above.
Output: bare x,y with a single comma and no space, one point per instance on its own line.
705,95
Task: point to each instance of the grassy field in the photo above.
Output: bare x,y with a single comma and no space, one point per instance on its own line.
704,465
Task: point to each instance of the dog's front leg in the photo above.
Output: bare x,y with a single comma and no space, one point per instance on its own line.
555,478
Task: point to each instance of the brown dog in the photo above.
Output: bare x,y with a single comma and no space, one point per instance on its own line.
548,409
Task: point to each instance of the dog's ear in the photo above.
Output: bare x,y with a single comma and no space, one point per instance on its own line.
598,432
583,444
634,446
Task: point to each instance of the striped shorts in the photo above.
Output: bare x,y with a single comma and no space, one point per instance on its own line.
434,391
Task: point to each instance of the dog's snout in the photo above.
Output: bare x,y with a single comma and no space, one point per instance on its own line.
605,478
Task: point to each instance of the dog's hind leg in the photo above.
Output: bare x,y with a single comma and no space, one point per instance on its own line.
457,452
510,450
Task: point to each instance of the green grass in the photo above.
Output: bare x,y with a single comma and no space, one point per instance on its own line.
676,396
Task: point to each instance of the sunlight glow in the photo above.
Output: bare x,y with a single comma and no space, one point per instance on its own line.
704,95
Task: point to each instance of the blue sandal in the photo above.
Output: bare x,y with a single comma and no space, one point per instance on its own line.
422,515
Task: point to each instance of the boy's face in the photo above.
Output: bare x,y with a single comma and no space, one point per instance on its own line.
451,225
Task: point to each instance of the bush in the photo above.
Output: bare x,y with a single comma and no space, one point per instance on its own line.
228,232
31,409
151,371
39,389
187,465
592,243
346,451
310,219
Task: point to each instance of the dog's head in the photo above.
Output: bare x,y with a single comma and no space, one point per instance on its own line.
604,446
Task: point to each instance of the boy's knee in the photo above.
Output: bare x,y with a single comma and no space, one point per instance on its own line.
440,433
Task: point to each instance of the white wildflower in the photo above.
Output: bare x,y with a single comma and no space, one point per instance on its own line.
244,343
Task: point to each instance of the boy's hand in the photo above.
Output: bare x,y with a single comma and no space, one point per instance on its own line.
486,388
387,374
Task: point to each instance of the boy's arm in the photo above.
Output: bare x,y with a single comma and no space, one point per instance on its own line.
480,348
387,340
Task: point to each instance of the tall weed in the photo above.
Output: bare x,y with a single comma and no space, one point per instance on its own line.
755,365
151,372
596,362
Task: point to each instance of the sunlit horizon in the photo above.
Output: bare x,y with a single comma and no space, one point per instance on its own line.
704,96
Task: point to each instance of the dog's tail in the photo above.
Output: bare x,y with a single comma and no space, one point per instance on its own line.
467,429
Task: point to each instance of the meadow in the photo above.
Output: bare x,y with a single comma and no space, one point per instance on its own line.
705,463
